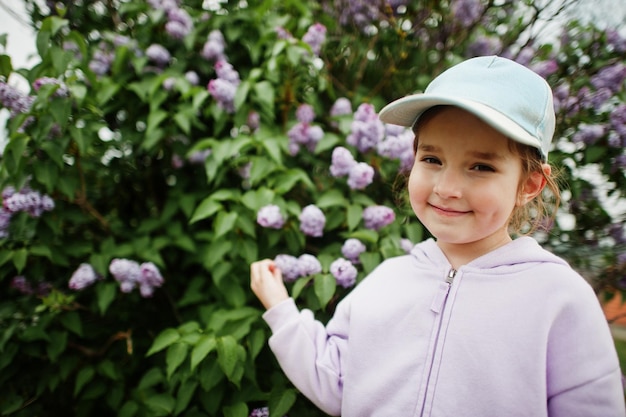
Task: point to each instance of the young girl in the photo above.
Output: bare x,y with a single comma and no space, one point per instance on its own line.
472,323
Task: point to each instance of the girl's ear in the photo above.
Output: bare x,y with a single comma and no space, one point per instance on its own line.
533,185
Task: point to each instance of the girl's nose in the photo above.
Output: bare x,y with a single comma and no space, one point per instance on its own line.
448,184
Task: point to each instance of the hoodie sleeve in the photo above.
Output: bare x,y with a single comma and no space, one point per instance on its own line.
584,377
311,355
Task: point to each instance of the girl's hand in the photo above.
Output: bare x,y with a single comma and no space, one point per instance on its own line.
266,281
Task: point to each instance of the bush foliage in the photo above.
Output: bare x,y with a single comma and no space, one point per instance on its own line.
153,133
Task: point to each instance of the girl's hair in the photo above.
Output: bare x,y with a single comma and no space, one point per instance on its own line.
540,212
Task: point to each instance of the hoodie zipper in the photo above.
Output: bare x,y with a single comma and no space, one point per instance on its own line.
437,306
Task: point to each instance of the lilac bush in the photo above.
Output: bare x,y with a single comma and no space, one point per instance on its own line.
158,148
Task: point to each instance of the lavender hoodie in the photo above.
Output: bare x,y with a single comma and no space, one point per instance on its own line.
515,332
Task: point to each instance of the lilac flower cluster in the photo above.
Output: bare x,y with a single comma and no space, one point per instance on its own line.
260,412
377,217
158,54
363,14
179,24
304,133
398,144
344,272
312,221
360,174
406,245
270,216
617,137
214,47
26,200
224,87
83,277
467,12
14,100
61,91
352,248
366,130
130,275
24,286
588,133
315,37
341,107
101,60
293,268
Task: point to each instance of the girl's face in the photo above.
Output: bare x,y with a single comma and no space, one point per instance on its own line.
465,183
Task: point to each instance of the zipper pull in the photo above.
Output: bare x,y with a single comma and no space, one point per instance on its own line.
442,293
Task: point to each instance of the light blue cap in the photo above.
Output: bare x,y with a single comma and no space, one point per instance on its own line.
504,94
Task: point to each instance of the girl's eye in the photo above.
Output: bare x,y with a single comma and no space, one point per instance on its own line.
430,160
482,168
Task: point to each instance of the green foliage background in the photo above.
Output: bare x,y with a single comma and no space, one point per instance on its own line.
198,347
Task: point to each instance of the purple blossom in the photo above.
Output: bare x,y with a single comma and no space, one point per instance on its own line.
260,412
312,221
224,93
179,23
484,45
214,47
283,33
406,245
126,272
616,40
344,272
83,277
611,77
61,91
377,217
169,83
308,265
192,77
304,134
588,134
254,120
360,176
21,284
467,12
618,123
545,68
289,267
150,279
5,222
199,156
352,249
270,216
28,201
341,106
342,162
226,71
305,113
398,144
101,60
315,37
158,54
366,130
14,100
595,100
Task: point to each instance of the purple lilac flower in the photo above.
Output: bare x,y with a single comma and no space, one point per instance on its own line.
406,245
270,216
312,221
305,113
150,279
360,176
14,100
304,134
198,157
616,40
214,47
126,272
179,23
254,120
467,12
588,134
545,68
340,107
398,144
5,222
158,54
620,163
224,87
315,37
377,217
352,249
260,412
28,201
342,162
61,91
308,265
526,55
595,100
83,277
484,45
283,33
21,284
72,46
361,13
344,272
169,83
618,123
192,77
366,130
289,267
101,60
611,77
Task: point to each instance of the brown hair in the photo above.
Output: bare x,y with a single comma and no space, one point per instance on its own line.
540,212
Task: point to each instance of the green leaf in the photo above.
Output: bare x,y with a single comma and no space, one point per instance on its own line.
324,286
19,259
161,403
82,378
228,357
176,355
151,378
183,397
331,198
71,321
166,338
281,401
129,409
107,90
224,223
205,209
57,344
354,215
5,66
205,345
105,294
236,410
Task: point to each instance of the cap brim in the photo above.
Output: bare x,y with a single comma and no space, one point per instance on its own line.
406,111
